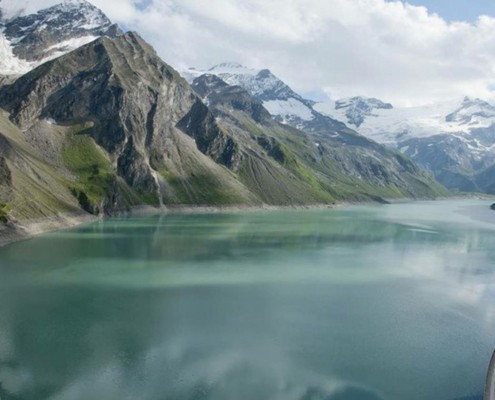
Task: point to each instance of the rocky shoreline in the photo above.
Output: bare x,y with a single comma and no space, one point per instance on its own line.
13,232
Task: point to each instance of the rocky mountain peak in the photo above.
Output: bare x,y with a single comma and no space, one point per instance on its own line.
206,84
30,40
219,95
472,111
357,109
262,84
281,101
228,65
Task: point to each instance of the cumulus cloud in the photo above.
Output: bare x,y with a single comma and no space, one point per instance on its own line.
387,49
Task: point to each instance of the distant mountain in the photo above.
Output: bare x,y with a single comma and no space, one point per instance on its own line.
357,109
387,124
283,103
455,140
30,40
341,164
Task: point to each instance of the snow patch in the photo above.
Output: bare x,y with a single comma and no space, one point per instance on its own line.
71,44
289,108
59,49
232,68
9,63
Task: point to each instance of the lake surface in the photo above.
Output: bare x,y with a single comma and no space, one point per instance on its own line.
358,303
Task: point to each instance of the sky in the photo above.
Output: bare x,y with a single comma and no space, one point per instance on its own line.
458,10
406,53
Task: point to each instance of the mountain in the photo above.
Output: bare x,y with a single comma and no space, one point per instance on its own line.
357,109
454,140
387,124
126,127
30,40
335,165
278,98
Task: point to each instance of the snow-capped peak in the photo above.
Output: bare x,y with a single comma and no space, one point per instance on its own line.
16,8
229,64
357,109
49,33
277,97
261,83
368,103
392,125
228,69
472,111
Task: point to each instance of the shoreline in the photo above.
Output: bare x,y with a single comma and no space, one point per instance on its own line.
15,232
12,232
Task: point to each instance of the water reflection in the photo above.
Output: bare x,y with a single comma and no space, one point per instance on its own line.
358,303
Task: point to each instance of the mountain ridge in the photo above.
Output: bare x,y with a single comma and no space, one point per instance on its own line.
454,140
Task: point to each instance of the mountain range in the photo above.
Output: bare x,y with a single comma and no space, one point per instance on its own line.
93,121
454,140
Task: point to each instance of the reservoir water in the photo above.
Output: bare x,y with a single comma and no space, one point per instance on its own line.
356,303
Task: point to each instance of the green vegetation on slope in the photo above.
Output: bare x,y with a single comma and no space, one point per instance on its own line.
203,189
4,211
92,167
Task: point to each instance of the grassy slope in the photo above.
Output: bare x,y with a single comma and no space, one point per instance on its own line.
292,170
37,190
274,173
192,178
89,164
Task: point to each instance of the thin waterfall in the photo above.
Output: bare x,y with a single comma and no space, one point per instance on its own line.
159,191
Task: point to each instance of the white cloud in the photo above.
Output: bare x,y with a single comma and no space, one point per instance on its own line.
390,50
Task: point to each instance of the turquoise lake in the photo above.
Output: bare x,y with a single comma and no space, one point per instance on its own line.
356,303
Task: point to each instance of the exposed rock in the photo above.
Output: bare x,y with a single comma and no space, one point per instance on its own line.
57,30
5,173
135,107
357,109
